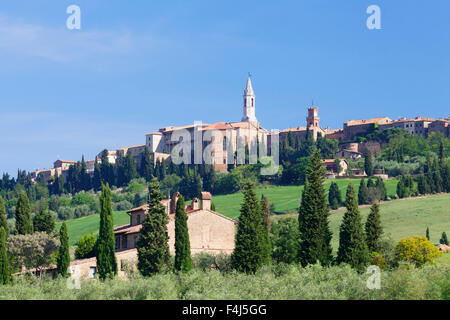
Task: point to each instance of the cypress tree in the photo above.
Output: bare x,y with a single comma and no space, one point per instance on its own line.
352,241
422,185
334,196
427,234
251,243
314,232
444,239
3,216
44,221
183,261
63,260
368,162
266,211
213,206
373,228
97,179
106,259
363,193
5,270
381,187
24,225
153,247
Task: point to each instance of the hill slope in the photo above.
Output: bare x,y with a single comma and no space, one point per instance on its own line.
403,218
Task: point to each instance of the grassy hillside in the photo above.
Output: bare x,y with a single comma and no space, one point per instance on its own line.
285,198
79,227
404,218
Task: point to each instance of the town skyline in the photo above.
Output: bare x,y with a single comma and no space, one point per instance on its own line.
129,72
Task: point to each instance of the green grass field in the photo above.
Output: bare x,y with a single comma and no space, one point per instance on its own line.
285,198
400,218
404,218
79,227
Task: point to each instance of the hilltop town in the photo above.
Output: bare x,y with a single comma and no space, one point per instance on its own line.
248,131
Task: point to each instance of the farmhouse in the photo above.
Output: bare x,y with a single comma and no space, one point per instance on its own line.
209,232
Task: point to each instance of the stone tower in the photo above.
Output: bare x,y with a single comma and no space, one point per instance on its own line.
312,120
249,103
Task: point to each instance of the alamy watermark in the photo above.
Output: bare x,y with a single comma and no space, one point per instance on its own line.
74,20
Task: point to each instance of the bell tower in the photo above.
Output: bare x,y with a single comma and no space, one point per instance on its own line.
312,120
249,103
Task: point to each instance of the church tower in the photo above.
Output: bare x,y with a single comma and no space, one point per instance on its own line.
249,103
313,117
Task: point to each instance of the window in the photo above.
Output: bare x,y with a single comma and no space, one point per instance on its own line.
124,242
118,242
92,272
138,219
136,239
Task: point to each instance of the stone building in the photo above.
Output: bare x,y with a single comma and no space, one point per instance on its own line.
440,125
209,231
223,138
354,127
416,126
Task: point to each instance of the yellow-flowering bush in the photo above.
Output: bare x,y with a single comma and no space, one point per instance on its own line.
417,250
377,259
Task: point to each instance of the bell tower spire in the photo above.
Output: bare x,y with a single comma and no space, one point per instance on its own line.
249,102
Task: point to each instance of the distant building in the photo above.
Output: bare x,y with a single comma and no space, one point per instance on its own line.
332,169
416,126
440,125
353,128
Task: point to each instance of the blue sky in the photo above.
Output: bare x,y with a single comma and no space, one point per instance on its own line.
136,66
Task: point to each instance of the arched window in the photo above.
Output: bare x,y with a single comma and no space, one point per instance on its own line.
253,102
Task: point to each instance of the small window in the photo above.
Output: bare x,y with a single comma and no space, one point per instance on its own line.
138,219
124,242
92,272
136,239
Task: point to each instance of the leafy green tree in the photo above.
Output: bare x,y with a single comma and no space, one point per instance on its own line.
24,224
5,269
251,241
153,247
85,247
106,259
334,196
368,162
44,221
363,193
284,238
352,241
444,239
183,260
3,216
314,231
374,230
63,260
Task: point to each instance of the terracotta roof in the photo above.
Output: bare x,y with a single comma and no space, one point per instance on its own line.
218,126
206,196
294,129
157,132
66,161
128,229
364,121
133,147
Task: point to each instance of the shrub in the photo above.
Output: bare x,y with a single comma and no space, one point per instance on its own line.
66,213
122,205
82,211
417,250
85,247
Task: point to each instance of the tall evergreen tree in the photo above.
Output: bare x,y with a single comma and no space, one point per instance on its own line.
146,168
250,251
153,247
44,221
422,185
266,211
374,230
427,234
106,259
363,193
368,162
3,216
24,225
334,196
63,259
352,241
444,239
5,270
314,232
97,179
381,187
183,260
